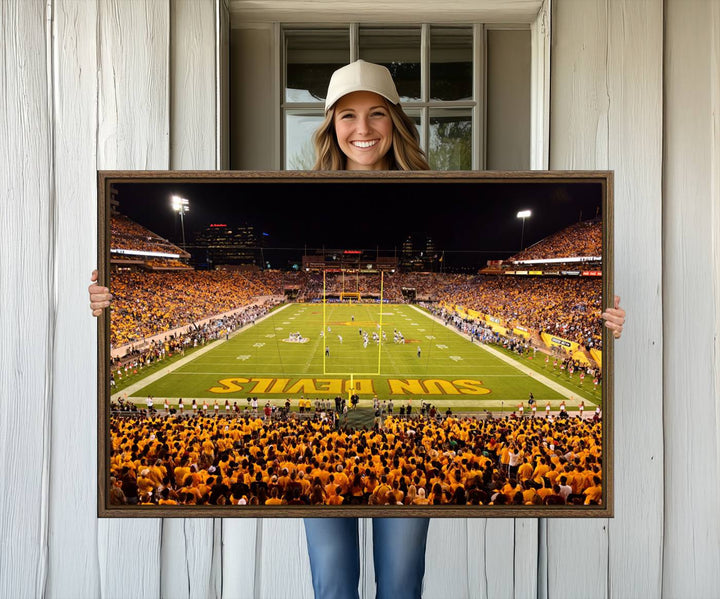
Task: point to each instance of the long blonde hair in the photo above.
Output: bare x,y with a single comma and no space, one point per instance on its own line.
405,155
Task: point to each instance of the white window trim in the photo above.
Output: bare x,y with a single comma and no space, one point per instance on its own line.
540,89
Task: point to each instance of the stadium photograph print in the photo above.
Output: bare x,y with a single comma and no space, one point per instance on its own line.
337,344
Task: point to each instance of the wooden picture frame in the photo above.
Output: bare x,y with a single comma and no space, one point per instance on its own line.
161,274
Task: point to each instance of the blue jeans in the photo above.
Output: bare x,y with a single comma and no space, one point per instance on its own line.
398,555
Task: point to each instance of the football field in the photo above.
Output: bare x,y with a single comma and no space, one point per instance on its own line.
325,350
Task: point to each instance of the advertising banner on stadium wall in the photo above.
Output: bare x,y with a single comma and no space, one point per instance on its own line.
581,357
522,332
596,355
494,323
554,341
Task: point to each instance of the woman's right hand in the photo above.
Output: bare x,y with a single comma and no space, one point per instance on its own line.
99,296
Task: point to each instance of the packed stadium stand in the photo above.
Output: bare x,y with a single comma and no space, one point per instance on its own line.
134,246
580,239
231,459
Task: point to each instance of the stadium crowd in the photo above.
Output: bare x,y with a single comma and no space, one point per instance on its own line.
126,234
568,307
222,459
582,239
146,304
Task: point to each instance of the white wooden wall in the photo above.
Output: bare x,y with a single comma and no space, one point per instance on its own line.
132,84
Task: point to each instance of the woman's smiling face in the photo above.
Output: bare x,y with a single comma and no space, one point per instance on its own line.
364,130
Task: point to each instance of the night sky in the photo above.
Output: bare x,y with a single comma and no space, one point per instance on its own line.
474,218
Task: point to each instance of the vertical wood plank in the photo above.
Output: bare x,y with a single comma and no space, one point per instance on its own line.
193,85
499,557
446,559
578,140
73,564
690,291
26,304
282,567
239,558
715,195
133,125
477,571
607,113
491,560
187,553
222,61
525,575
190,565
133,129
578,88
635,89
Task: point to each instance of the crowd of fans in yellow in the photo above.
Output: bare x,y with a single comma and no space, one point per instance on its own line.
223,459
148,303
583,239
567,307
126,234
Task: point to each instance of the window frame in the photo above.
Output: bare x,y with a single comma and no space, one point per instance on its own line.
423,107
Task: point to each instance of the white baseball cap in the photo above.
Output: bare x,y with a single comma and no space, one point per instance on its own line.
361,76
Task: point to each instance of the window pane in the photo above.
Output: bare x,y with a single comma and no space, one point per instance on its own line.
311,57
415,117
398,50
450,145
451,62
299,151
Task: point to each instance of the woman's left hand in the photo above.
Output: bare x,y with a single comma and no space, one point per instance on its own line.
615,318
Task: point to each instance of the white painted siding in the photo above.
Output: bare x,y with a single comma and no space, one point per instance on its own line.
27,295
133,133
635,87
72,551
690,299
606,113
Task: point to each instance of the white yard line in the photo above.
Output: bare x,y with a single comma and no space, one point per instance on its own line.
524,369
128,391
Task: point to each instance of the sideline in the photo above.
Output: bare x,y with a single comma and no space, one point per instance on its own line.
128,391
522,368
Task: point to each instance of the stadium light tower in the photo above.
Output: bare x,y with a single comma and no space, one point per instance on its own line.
523,214
181,205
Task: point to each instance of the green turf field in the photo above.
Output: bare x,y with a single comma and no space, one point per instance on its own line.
260,361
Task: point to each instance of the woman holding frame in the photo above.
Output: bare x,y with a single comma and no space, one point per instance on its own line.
365,128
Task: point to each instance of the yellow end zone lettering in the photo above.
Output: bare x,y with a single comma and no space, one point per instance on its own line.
471,387
436,387
230,385
303,386
307,386
333,386
261,385
361,387
405,387
279,386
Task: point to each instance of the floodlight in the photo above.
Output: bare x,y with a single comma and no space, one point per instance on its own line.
523,214
181,206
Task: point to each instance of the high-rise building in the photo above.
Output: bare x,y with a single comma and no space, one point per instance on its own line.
221,244
419,253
